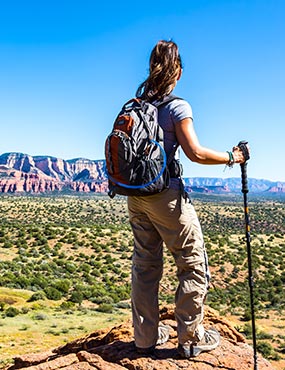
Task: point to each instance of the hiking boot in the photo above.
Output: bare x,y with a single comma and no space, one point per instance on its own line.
163,336
210,341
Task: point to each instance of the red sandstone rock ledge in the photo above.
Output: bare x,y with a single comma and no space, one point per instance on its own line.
114,350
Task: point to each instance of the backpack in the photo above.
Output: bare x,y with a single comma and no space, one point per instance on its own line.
136,162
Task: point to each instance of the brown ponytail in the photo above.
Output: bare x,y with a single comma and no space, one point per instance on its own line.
164,70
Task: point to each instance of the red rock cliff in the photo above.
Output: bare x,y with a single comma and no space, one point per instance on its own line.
23,173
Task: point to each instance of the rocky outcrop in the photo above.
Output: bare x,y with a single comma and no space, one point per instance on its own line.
278,188
18,161
114,350
14,181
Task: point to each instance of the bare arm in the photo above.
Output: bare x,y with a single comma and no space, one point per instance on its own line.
189,142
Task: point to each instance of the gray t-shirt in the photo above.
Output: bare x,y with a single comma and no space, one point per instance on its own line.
168,116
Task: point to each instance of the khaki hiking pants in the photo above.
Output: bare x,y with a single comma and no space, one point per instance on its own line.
167,217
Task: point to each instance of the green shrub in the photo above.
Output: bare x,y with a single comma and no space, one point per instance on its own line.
40,316
247,330
265,349
105,307
11,312
264,335
37,296
76,297
62,285
125,304
53,294
25,310
67,305
247,315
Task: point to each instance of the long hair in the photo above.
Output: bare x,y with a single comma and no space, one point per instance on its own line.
164,69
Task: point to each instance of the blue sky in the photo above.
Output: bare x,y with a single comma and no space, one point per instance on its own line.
67,67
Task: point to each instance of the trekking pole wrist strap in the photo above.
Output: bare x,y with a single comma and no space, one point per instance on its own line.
231,159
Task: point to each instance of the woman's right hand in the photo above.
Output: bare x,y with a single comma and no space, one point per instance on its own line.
238,154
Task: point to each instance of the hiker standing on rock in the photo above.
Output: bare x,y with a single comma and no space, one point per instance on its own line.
170,217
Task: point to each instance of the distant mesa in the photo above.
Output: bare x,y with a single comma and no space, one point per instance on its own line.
23,173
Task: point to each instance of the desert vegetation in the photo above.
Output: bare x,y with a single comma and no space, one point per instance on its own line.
65,267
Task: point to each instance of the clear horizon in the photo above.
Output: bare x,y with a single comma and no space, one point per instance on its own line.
66,69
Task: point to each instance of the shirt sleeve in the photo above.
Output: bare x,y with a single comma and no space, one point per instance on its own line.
179,110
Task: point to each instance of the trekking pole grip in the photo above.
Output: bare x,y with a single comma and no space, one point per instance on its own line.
243,147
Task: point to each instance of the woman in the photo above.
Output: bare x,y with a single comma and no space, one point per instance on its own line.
169,217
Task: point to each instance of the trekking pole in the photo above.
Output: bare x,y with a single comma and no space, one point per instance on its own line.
243,146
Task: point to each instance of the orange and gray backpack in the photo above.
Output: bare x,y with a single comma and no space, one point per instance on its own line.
136,162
